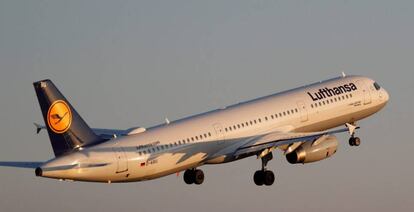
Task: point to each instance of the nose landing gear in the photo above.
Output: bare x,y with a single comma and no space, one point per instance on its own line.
353,141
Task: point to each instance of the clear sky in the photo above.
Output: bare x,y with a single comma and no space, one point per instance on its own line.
133,63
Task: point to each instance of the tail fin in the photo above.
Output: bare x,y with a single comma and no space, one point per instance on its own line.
67,130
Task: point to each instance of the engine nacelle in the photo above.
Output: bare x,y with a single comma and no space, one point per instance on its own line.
318,150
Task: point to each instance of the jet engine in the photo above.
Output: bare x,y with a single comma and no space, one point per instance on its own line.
317,150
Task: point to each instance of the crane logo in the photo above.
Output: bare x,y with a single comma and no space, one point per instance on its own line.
59,117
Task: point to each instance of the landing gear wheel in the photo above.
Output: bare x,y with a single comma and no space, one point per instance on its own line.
264,177
357,141
268,178
258,177
198,176
351,141
189,176
195,176
354,141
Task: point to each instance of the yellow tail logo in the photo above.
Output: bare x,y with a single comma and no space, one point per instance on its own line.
59,117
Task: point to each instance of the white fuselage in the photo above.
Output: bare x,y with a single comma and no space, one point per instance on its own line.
213,137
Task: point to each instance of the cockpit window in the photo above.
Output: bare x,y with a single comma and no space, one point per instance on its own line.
377,86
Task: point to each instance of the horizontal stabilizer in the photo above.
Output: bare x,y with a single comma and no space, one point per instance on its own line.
21,164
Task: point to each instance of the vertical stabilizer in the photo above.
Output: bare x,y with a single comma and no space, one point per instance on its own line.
67,130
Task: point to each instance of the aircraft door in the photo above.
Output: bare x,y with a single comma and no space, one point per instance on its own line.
303,111
365,92
122,162
219,133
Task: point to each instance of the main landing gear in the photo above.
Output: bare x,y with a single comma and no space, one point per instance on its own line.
195,176
264,176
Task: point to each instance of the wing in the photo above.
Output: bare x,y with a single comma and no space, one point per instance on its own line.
21,164
277,139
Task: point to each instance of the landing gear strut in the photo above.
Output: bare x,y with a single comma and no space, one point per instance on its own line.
195,176
264,176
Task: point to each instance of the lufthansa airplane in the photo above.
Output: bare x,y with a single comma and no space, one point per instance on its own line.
300,122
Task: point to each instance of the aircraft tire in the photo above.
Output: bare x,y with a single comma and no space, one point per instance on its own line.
357,141
198,176
351,141
189,176
268,178
258,177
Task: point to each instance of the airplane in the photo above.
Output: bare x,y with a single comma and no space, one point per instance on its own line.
301,122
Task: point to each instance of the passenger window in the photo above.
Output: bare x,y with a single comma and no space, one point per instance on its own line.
296,110
251,123
266,118
209,134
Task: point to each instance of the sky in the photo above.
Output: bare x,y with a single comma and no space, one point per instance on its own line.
134,63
